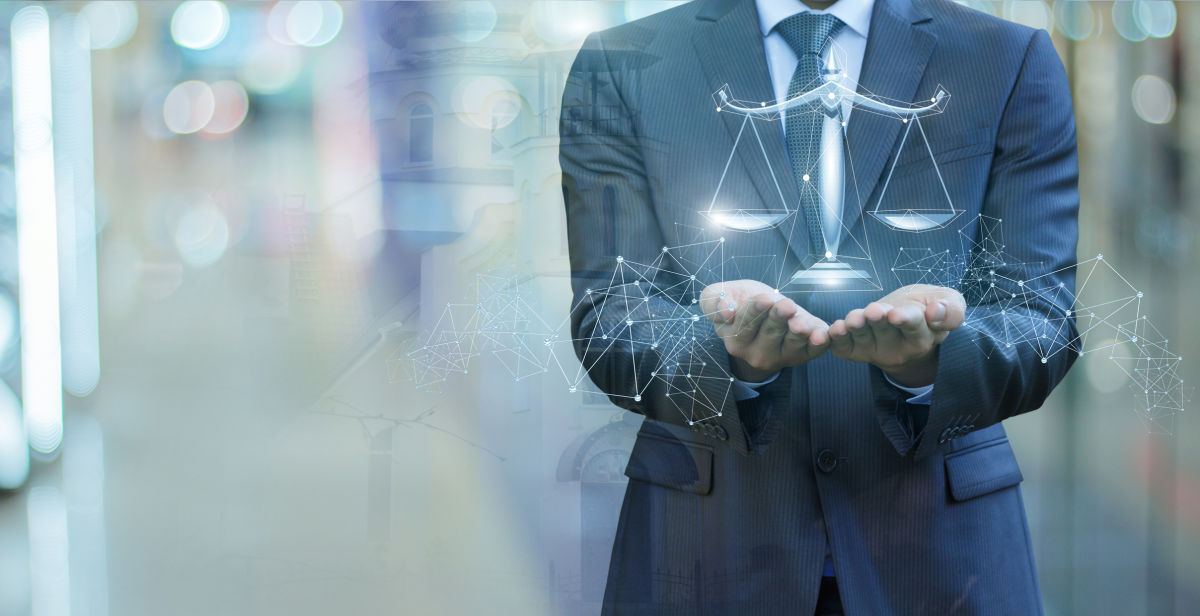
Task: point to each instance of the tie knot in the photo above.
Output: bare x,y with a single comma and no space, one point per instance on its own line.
806,33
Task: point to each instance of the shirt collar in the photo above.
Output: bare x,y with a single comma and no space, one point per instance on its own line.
856,14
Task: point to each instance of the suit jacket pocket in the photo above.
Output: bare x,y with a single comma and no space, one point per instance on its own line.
981,469
666,461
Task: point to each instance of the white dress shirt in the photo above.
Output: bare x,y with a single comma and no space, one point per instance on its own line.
849,45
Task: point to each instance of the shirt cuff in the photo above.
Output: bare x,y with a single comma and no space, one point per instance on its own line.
745,390
917,395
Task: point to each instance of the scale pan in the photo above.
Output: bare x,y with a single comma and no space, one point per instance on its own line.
746,220
916,220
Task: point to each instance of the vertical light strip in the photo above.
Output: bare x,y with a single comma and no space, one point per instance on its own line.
49,550
76,188
37,231
83,487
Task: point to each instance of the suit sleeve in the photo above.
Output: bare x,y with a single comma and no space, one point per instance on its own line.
635,324
992,367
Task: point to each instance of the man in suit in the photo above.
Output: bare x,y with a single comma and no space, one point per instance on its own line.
856,463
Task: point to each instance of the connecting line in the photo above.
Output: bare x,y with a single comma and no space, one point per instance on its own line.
733,151
769,168
892,169
936,169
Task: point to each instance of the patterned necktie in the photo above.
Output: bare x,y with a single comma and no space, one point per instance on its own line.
807,33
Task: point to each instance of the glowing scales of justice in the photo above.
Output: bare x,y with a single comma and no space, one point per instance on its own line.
833,91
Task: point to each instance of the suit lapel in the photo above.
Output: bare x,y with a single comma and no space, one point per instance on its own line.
898,49
730,49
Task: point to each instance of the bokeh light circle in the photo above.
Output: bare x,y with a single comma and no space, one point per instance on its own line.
487,102
564,23
199,24
109,24
313,24
1032,13
230,109
1125,23
1076,20
1156,18
188,107
1153,99
308,23
474,20
270,67
202,235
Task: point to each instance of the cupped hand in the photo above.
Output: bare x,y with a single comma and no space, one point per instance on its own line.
764,332
901,332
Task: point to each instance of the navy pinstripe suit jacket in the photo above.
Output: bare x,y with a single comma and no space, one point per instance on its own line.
920,505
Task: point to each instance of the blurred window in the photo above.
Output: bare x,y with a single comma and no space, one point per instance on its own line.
420,134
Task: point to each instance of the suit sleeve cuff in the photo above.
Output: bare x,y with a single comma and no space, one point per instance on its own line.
917,395
746,390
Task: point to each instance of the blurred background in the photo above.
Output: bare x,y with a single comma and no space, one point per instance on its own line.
243,248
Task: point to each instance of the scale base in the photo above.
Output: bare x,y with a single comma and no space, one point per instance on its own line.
828,273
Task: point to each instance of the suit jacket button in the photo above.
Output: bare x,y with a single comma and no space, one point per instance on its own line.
827,461
722,433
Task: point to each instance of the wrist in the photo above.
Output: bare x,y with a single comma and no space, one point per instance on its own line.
743,371
918,373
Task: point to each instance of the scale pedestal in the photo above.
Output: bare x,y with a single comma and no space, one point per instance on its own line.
828,273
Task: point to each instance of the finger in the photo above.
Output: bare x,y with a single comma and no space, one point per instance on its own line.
946,314
820,337
840,341
751,315
885,333
876,311
716,303
771,334
856,319
864,338
909,319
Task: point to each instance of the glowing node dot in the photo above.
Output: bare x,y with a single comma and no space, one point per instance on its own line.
637,398
620,259
1043,360
805,177
828,255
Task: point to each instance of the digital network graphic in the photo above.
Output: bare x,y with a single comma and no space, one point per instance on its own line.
647,313
501,327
